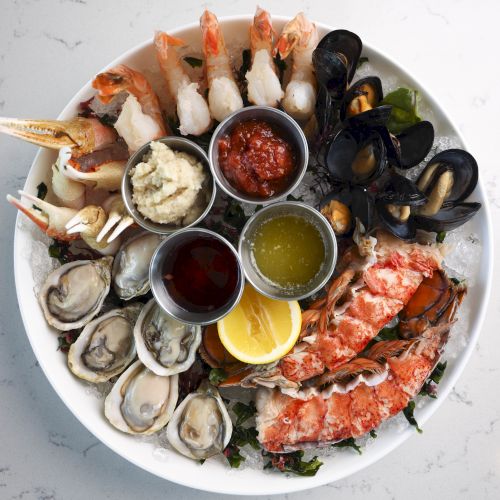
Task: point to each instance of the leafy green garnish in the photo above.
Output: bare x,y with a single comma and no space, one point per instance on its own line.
281,66
202,461
243,412
408,413
194,62
361,61
438,372
404,109
292,463
234,215
348,443
440,236
233,456
245,435
373,434
59,251
217,375
430,386
388,333
65,340
290,197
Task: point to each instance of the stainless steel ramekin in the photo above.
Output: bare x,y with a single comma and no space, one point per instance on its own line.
258,280
160,291
177,144
282,122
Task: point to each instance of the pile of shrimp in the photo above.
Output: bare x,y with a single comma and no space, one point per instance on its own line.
93,153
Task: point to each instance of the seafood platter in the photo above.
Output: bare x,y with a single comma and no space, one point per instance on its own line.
244,253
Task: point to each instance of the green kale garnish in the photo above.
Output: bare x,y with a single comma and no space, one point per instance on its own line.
292,463
430,386
348,443
408,413
217,375
41,190
243,412
245,435
234,215
404,109
194,62
361,61
373,434
60,251
233,456
388,333
440,236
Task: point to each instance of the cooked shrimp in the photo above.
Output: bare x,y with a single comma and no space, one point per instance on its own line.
141,119
192,109
264,87
223,94
300,37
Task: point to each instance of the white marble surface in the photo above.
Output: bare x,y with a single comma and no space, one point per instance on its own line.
48,49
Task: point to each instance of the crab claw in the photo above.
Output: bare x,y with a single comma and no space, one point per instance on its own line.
88,221
117,216
83,135
49,218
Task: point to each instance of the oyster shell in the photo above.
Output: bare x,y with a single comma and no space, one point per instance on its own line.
131,265
200,426
166,346
74,293
106,345
141,402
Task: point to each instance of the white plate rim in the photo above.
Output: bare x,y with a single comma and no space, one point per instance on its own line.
281,484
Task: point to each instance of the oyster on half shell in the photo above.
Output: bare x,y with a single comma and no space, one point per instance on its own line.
141,402
74,293
106,345
200,426
166,346
131,265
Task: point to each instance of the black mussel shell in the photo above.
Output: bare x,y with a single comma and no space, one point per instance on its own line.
345,43
465,174
324,110
346,149
341,194
448,219
404,230
414,143
362,206
371,87
331,72
376,117
399,190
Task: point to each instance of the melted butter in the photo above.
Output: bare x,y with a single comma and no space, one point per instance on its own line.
288,250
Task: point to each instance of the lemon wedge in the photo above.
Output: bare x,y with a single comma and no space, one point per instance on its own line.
259,329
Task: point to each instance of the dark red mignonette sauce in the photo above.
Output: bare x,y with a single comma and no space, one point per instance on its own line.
256,159
201,274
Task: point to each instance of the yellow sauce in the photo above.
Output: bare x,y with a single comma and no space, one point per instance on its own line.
288,250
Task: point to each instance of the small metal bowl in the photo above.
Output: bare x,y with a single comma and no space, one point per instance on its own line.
161,294
263,284
282,122
177,144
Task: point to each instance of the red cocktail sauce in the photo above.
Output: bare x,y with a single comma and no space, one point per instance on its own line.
256,159
201,275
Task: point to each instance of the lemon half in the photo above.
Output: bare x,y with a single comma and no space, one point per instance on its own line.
259,329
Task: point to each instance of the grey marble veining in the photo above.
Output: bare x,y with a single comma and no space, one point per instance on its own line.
48,49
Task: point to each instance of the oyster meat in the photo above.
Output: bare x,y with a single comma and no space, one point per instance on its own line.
200,426
74,293
140,401
131,266
166,346
106,345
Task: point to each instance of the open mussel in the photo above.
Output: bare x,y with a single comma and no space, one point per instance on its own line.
357,154
394,205
346,45
342,207
447,180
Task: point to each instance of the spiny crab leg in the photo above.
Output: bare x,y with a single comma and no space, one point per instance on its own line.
50,219
83,135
